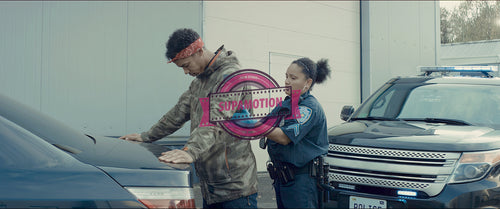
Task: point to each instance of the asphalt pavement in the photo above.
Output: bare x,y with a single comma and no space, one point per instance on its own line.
265,199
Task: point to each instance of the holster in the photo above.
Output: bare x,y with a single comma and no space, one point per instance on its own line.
282,172
316,167
271,170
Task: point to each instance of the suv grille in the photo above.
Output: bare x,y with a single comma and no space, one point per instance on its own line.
388,168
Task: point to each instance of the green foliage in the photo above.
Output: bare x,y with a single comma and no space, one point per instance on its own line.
471,21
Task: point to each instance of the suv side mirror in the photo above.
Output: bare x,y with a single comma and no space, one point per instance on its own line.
346,112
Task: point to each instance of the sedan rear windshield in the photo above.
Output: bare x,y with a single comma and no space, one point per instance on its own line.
22,150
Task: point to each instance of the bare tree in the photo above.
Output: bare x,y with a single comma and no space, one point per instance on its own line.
471,21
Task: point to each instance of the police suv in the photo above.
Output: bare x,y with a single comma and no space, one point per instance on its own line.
430,141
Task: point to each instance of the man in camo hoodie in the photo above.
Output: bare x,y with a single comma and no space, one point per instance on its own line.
225,165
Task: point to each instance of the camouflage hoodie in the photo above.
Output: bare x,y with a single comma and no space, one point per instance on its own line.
225,165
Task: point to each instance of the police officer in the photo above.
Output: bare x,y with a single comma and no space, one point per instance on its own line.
295,144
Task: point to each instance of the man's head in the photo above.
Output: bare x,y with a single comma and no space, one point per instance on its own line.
185,49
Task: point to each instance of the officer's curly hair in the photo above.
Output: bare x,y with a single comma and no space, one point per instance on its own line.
318,72
179,40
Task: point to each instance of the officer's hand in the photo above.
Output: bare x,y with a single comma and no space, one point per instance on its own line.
132,137
176,156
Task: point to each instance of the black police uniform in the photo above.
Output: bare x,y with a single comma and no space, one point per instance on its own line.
309,140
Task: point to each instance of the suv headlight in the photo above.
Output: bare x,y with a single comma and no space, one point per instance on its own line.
474,166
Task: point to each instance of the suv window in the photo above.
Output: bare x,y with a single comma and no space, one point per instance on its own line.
386,103
380,106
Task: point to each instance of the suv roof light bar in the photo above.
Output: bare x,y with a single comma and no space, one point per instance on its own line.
427,70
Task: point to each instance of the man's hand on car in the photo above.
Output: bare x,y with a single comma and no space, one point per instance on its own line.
175,156
132,137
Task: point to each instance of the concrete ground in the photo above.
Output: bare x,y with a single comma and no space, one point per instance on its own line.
265,199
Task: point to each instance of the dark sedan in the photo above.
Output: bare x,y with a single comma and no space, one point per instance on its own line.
45,164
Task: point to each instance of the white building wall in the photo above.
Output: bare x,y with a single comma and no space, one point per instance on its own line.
471,53
269,35
397,37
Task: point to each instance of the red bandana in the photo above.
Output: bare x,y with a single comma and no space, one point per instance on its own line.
188,51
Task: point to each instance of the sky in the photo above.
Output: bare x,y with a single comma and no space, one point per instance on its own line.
449,5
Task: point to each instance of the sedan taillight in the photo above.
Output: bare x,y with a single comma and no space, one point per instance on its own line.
164,197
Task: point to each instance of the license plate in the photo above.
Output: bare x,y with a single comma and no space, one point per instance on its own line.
366,203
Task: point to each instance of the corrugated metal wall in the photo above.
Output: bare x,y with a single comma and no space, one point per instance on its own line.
97,66
397,37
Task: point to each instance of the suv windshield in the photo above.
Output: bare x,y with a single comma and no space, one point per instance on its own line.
457,103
